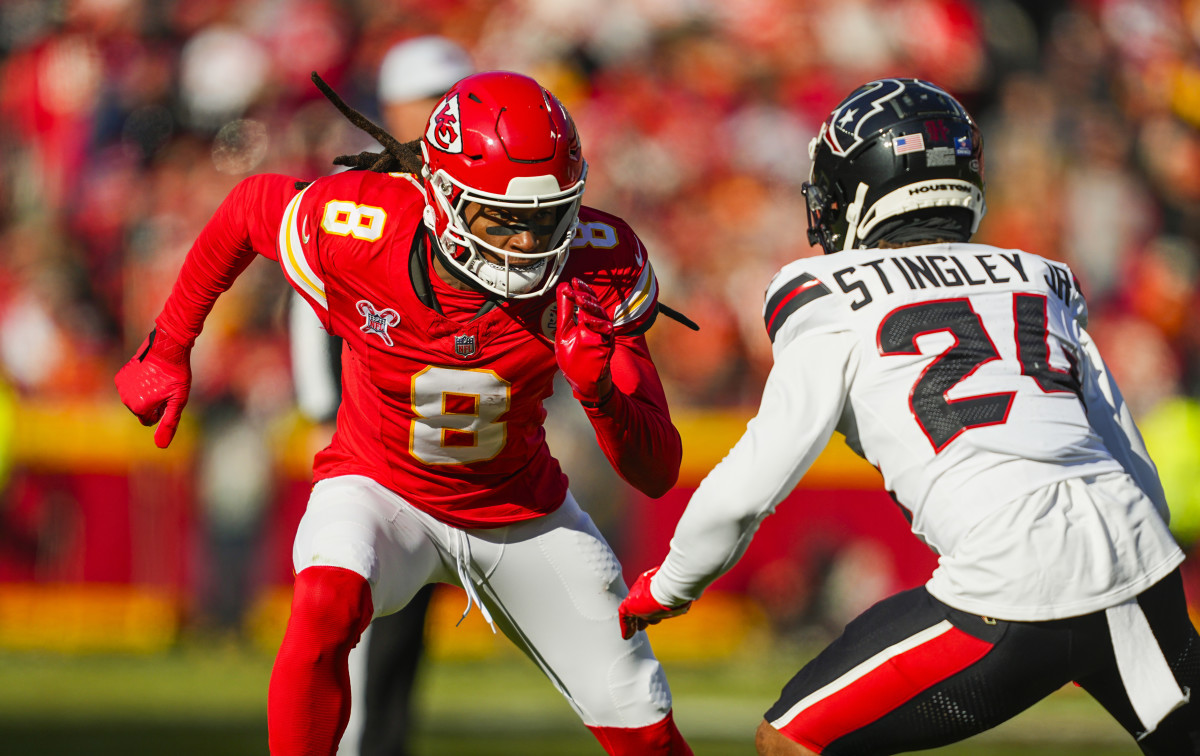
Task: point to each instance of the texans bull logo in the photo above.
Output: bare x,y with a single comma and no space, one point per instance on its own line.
853,118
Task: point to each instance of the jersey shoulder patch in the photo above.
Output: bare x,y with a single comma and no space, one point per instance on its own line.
792,288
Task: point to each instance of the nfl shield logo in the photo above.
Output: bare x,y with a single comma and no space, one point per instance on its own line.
464,345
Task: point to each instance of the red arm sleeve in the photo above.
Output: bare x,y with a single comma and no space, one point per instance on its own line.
244,225
634,425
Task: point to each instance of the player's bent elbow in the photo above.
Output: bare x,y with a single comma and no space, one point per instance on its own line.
658,478
657,489
651,463
669,472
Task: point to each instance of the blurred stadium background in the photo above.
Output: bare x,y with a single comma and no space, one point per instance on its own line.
142,592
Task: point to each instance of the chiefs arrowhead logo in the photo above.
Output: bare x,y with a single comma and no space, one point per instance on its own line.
444,130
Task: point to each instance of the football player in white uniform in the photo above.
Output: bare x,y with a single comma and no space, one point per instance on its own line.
964,373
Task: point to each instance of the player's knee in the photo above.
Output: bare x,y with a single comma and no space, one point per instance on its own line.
331,607
770,742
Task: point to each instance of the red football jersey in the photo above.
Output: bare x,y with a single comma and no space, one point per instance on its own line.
447,411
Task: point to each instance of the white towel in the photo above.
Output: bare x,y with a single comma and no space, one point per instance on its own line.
1148,680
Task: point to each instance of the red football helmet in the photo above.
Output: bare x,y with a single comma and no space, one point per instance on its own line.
500,139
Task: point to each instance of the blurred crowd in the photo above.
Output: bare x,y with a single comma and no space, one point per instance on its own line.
123,123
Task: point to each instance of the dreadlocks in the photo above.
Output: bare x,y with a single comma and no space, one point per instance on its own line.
405,157
397,156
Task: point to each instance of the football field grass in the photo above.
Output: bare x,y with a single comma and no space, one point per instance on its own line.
212,700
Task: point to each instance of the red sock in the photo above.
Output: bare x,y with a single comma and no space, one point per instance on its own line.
659,739
308,703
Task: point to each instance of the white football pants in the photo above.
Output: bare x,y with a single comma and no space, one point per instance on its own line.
551,584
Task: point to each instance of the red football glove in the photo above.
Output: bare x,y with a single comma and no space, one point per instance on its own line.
639,610
154,385
583,343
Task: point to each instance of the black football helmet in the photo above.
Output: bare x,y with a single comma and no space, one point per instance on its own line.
895,147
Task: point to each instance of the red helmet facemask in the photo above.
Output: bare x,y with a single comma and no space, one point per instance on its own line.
500,140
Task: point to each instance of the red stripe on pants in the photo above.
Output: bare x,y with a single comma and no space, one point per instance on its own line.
885,688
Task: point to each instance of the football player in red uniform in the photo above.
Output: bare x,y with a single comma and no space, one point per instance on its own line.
384,666
459,295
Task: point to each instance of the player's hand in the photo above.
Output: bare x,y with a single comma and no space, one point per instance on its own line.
639,610
584,341
154,385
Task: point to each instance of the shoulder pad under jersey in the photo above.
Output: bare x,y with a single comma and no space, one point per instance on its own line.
609,256
793,287
342,209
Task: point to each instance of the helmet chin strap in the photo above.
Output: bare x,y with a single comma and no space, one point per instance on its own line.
462,253
439,253
852,215
491,279
440,247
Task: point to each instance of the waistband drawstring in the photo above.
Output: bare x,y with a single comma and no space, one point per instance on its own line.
462,563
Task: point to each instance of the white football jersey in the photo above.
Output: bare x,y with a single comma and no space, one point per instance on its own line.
964,373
